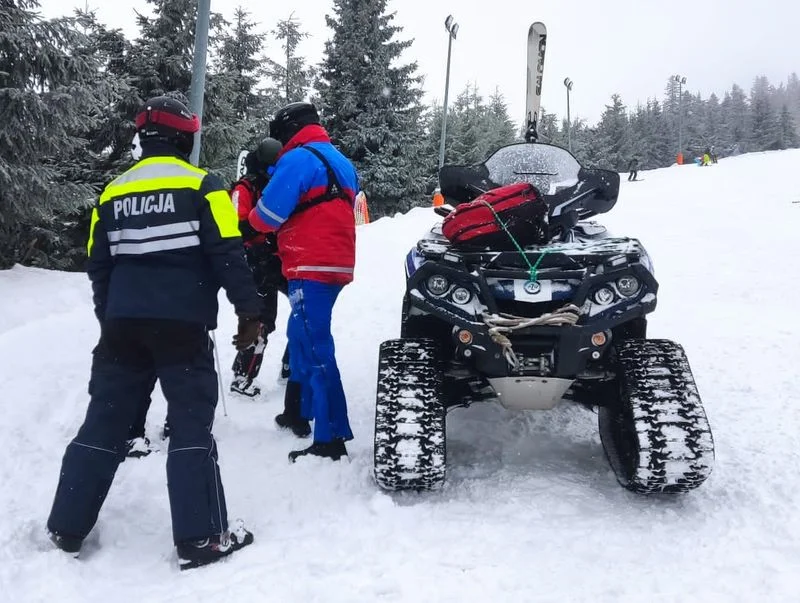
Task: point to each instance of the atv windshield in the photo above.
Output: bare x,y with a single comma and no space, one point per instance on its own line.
549,168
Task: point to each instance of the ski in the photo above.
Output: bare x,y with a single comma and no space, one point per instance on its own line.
241,167
537,43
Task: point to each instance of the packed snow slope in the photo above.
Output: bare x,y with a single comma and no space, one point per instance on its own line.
530,512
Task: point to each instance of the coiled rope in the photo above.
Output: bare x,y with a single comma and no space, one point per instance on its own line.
502,324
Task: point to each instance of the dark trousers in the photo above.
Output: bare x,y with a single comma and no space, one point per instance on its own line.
131,354
633,175
312,359
269,281
138,426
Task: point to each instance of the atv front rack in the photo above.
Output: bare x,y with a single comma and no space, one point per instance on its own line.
558,350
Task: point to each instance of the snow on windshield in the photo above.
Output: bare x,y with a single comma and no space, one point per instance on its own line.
547,167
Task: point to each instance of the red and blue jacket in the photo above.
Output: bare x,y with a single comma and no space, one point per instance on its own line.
316,241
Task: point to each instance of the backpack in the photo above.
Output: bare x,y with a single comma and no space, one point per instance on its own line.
493,218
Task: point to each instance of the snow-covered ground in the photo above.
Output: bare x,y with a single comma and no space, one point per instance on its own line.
531,510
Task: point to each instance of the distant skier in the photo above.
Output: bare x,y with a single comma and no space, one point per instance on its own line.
706,157
261,253
633,168
163,239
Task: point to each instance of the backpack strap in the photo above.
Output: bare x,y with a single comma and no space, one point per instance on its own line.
332,192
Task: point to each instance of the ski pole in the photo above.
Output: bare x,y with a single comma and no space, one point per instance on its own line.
219,374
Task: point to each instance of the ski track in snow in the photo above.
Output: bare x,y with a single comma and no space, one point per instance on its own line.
530,511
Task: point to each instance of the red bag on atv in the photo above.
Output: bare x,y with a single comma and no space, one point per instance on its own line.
480,222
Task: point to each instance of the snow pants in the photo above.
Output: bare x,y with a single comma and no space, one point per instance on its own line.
130,355
312,359
269,281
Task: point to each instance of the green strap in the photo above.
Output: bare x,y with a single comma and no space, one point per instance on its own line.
533,269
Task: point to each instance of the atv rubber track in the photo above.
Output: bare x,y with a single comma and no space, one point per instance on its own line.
409,417
658,439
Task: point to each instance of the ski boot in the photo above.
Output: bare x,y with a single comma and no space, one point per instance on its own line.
244,386
291,418
246,367
208,550
69,544
334,450
138,448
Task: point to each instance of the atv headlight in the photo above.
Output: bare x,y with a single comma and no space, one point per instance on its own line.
628,286
437,284
461,296
603,296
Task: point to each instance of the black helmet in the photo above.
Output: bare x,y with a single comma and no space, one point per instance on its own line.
265,155
166,120
290,119
268,150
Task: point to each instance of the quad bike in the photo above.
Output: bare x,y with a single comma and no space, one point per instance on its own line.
532,327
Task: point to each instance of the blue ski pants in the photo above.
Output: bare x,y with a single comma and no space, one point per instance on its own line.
312,359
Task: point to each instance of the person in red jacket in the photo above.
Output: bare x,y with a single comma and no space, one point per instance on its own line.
261,254
309,202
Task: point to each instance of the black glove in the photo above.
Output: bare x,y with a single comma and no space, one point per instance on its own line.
271,242
249,328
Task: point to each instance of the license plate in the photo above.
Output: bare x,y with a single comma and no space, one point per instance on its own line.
533,291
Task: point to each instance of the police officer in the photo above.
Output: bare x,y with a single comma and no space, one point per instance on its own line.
164,237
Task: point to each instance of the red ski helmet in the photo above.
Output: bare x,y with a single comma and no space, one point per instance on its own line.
167,121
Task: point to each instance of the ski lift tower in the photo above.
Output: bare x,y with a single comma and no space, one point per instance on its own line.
198,87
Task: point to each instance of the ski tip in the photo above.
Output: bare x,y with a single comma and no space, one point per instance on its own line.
537,27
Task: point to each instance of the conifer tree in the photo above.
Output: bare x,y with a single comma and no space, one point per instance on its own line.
162,54
292,77
49,97
499,129
736,116
614,136
788,137
371,104
764,122
237,109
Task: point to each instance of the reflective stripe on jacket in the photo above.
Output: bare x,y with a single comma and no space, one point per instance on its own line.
163,238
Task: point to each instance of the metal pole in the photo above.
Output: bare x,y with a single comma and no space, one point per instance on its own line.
568,86
680,117
680,81
569,126
446,91
198,87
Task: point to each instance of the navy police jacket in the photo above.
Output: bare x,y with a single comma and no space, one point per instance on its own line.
163,238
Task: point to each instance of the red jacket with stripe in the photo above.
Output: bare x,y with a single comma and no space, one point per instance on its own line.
316,241
244,196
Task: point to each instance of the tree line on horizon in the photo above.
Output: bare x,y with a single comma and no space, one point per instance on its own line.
70,87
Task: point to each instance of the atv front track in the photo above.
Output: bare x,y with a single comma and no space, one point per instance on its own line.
656,435
409,417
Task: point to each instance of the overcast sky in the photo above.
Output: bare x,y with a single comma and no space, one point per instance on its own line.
604,46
